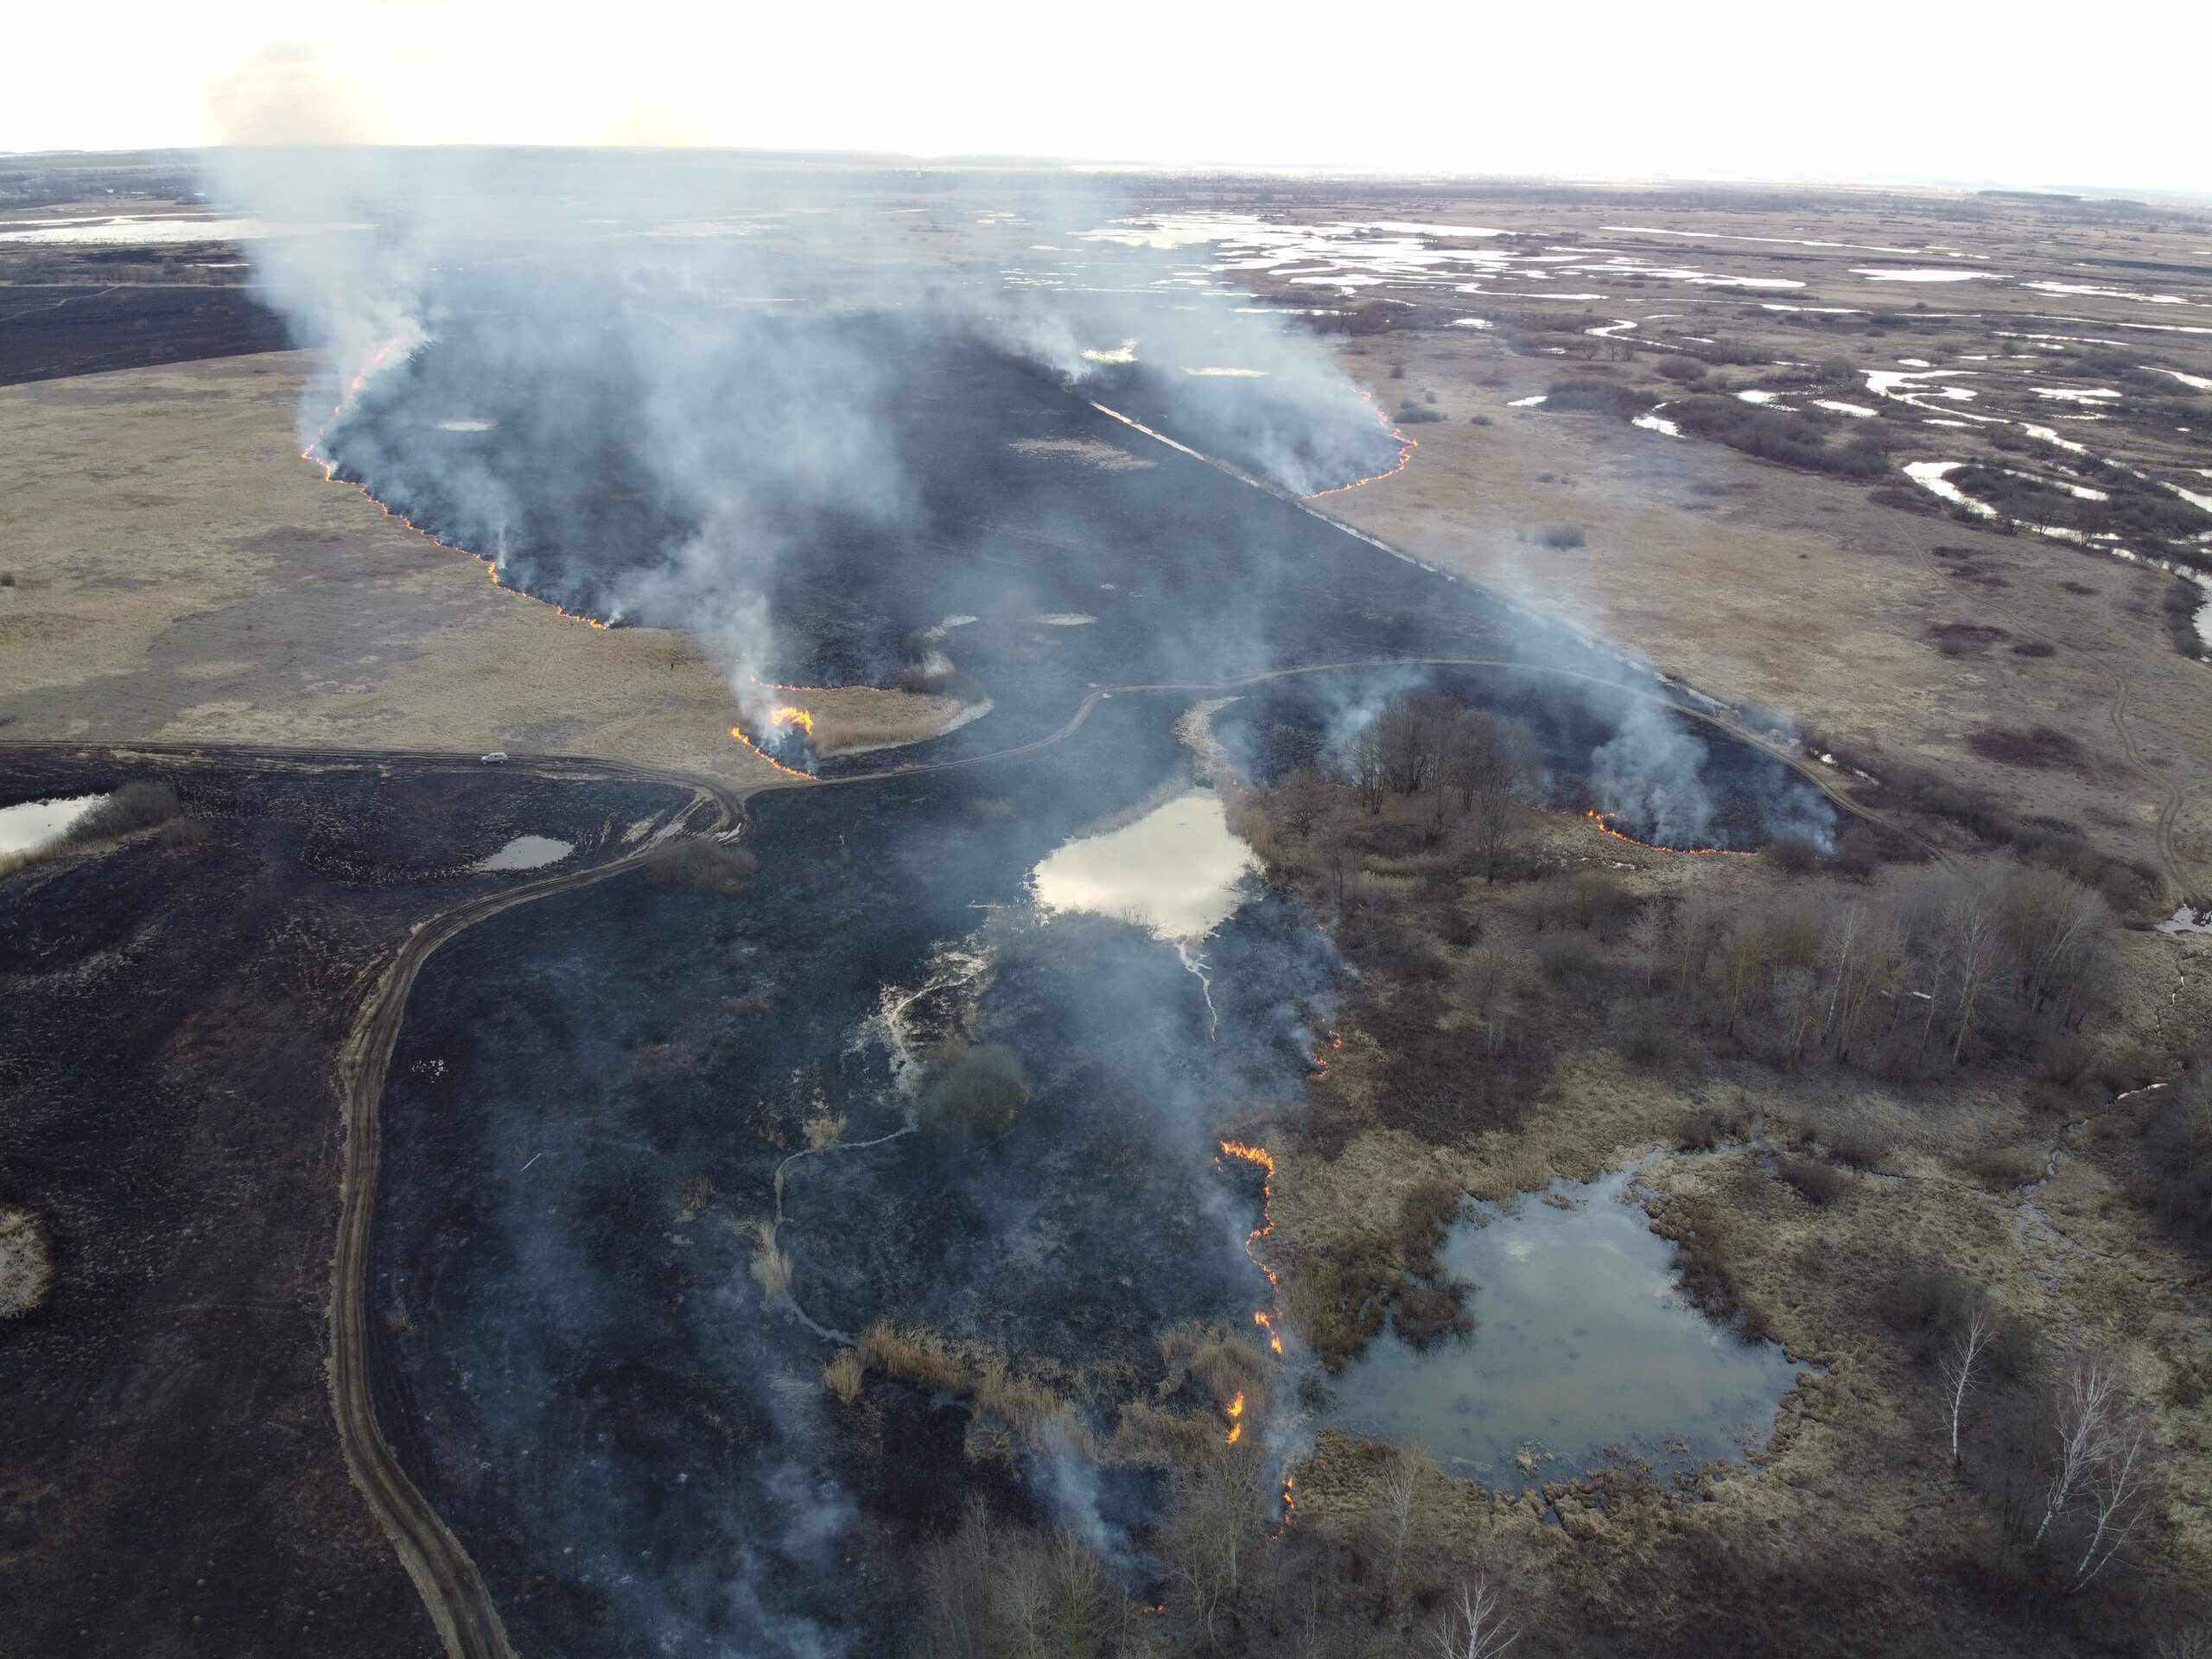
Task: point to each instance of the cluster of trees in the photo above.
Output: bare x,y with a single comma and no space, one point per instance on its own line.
2065,1454
1482,768
1947,963
1232,1577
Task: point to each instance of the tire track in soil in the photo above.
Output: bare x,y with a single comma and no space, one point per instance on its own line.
453,1590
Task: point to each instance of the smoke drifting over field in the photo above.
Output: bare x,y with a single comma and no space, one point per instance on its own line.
530,354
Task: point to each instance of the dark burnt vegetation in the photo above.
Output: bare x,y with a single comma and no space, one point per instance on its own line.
2035,748
701,865
980,1087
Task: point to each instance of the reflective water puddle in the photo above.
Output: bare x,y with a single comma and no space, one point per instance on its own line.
1584,1347
35,825
1175,870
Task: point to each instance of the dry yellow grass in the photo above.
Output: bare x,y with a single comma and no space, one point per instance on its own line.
25,1266
843,1375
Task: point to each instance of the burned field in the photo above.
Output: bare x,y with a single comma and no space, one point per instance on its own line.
673,1179
169,1455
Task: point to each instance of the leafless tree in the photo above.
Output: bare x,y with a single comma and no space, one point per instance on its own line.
1300,800
1497,769
1367,769
1408,732
1217,1523
1648,940
1743,961
2057,930
1400,1488
1473,1626
1868,958
2194,1642
1961,1366
1796,1002
2102,1466
2119,1489
1972,934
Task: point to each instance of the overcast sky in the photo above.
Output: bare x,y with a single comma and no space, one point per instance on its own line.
1942,90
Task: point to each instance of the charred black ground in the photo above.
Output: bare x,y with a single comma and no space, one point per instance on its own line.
170,1010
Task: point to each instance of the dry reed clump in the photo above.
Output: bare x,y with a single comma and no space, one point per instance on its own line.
1510,1173
913,1354
824,1131
1225,1363
843,1375
26,1268
772,1269
1033,1411
133,807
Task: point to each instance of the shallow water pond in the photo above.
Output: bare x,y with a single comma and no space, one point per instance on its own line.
526,853
36,824
1583,1345
1175,869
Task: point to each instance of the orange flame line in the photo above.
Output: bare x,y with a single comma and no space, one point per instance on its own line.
1265,1159
1406,447
330,476
1598,819
738,732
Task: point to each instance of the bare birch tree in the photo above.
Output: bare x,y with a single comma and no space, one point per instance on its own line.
2102,1467
1961,1366
1474,1625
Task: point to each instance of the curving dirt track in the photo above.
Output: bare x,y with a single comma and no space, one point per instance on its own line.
453,1590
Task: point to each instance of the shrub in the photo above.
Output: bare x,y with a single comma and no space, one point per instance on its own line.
133,807
2177,1150
1605,396
1793,854
2041,746
2035,648
1816,1182
1965,638
702,865
1413,414
1566,958
978,1086
2002,1169
1851,1145
1561,537
1793,439
1649,1039
1684,370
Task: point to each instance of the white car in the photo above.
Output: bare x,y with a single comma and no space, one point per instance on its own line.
497,758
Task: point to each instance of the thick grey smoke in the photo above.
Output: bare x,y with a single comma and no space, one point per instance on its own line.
735,346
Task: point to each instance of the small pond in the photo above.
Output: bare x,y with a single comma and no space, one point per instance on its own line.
37,824
526,853
1176,869
1583,1345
